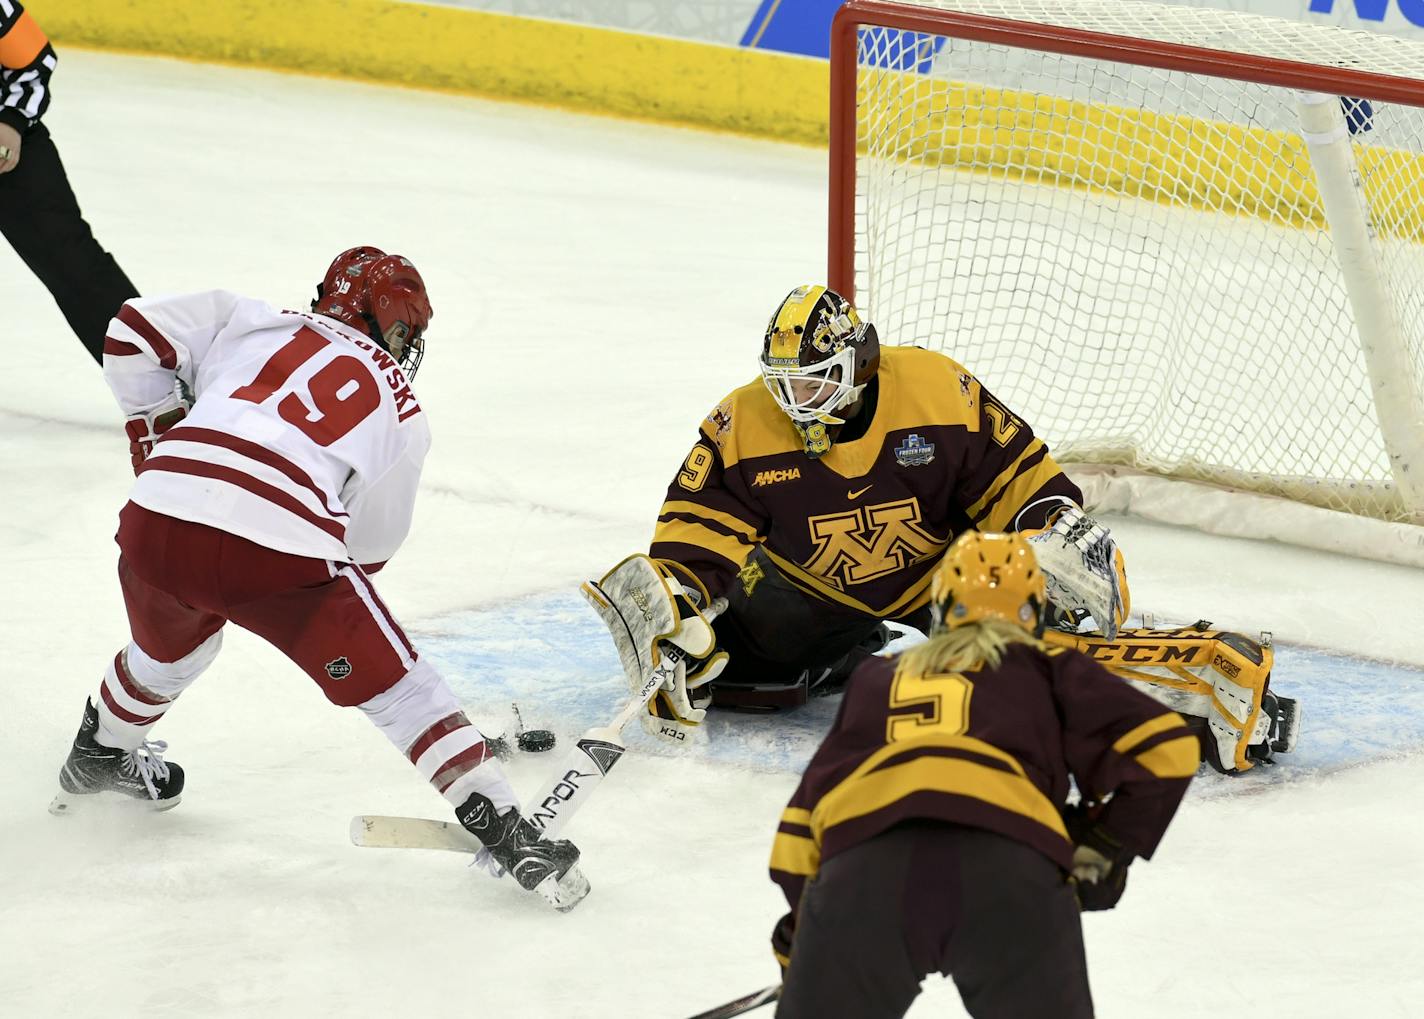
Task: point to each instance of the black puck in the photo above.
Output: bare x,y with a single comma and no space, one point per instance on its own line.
536,741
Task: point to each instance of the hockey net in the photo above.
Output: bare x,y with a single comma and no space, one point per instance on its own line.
1187,245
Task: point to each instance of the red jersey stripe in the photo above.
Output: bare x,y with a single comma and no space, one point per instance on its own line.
251,450
118,347
438,731
124,713
274,495
133,689
162,349
461,764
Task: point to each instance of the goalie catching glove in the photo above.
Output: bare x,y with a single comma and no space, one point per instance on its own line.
654,611
1082,565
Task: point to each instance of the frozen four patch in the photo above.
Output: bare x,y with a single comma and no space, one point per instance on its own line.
914,451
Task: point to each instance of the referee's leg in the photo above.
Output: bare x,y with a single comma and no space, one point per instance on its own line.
40,217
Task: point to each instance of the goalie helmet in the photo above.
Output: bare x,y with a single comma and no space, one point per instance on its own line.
988,576
816,359
383,296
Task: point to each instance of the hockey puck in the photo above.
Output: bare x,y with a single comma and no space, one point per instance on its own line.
536,741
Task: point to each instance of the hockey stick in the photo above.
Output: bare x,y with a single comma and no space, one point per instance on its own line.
601,747
743,1005
376,831
593,756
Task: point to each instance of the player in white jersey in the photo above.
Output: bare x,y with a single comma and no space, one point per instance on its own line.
278,455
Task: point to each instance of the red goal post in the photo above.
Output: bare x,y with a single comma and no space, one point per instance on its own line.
1238,316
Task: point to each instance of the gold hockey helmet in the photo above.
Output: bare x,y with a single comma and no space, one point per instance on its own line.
817,355
988,576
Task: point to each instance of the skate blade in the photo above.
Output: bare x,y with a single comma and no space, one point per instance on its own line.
564,893
72,803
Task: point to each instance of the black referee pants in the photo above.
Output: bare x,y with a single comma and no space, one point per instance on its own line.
993,914
40,218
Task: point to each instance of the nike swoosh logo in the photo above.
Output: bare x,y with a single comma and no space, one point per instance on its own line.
857,495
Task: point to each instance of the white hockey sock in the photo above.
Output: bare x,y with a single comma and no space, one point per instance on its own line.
421,716
138,690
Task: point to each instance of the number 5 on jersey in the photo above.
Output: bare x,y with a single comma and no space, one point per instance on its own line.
942,701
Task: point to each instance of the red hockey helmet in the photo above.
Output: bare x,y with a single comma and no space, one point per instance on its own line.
383,296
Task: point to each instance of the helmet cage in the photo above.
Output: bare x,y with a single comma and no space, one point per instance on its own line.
830,385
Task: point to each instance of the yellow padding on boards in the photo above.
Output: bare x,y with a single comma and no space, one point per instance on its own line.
1172,159
590,69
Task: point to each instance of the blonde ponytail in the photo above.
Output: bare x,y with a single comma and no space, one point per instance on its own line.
966,648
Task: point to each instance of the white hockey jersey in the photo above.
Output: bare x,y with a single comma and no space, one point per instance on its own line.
304,435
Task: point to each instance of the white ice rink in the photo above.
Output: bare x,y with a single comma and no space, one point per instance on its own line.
597,286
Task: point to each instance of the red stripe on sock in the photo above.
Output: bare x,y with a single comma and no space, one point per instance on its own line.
440,729
462,763
123,713
132,688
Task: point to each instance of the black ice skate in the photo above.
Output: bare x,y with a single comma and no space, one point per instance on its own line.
140,774
546,866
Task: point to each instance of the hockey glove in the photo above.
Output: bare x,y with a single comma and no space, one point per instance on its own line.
1100,862
679,707
147,428
1082,565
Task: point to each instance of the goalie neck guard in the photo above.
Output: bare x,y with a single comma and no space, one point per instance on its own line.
816,359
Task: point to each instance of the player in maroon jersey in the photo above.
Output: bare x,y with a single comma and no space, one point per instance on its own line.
818,498
929,834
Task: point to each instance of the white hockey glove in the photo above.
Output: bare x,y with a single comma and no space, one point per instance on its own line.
148,427
1082,565
661,634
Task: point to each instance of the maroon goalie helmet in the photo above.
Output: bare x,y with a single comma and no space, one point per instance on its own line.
383,296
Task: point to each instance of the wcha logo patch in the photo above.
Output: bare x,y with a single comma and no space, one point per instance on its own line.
339,669
914,451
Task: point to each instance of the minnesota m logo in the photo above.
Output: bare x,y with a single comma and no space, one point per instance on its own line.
869,542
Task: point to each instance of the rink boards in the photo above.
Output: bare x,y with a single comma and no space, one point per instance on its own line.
550,655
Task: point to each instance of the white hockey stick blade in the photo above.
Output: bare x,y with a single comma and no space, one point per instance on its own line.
377,831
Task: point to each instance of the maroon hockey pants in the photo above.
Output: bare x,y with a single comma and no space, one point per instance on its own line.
182,581
989,912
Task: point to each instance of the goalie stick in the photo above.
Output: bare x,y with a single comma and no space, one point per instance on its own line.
743,1005
593,755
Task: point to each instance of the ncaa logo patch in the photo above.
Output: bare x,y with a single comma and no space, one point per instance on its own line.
914,451
339,669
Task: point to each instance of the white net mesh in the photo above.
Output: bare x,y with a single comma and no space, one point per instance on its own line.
1138,260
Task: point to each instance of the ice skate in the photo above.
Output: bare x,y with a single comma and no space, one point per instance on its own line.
546,866
140,774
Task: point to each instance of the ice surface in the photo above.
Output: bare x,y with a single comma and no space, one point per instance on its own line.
597,286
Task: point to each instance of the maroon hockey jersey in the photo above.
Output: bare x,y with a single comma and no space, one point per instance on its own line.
992,749
864,525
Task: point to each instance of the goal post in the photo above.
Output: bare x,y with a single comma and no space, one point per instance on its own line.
1186,244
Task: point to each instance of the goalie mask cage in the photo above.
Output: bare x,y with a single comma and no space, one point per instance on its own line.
1186,244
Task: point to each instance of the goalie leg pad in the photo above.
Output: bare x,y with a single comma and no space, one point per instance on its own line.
1215,675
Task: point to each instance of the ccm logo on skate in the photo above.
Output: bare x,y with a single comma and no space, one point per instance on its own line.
339,669
1226,667
562,792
